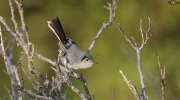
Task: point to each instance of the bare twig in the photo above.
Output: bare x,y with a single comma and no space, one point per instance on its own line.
112,10
132,88
83,81
24,43
14,34
29,92
146,32
45,59
20,67
12,71
23,24
138,49
163,76
12,6
76,90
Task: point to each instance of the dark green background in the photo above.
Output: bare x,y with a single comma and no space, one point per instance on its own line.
82,19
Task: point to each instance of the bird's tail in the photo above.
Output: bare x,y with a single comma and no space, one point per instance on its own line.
56,27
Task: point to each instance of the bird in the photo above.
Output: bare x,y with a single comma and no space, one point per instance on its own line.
71,55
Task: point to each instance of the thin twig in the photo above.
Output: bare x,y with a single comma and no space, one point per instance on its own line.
163,76
146,32
14,34
45,59
12,8
20,67
131,87
112,10
23,24
124,35
29,92
76,90
83,81
11,70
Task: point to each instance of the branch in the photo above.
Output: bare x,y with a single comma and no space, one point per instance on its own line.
83,81
131,87
29,92
23,24
14,34
146,32
124,35
163,76
112,14
12,8
11,70
77,91
138,50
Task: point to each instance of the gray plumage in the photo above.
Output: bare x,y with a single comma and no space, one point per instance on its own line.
72,56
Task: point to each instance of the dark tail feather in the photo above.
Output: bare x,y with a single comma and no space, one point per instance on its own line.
56,27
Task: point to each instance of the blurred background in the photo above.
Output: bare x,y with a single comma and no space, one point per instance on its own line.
81,21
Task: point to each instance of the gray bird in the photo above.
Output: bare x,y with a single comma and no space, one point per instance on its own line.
71,55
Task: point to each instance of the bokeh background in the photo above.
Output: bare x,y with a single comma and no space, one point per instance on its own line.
82,19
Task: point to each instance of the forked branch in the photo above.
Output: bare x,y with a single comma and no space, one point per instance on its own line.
145,35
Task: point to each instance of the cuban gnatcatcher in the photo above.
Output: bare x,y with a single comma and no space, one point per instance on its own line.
71,55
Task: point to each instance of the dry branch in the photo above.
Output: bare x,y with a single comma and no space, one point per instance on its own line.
163,77
112,14
145,35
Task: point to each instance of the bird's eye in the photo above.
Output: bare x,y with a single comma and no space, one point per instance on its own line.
87,59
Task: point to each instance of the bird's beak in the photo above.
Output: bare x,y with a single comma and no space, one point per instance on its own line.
95,62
